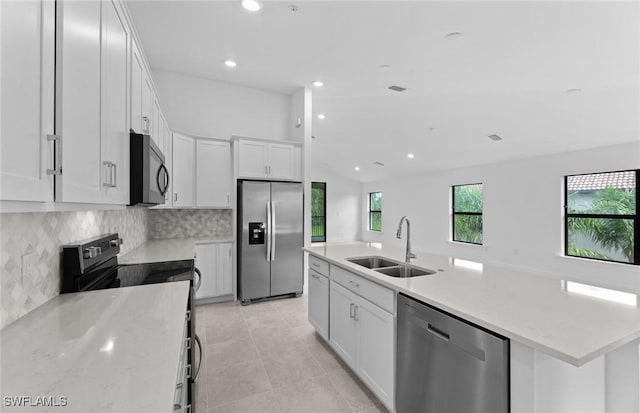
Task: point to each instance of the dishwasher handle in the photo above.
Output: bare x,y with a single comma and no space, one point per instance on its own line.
437,332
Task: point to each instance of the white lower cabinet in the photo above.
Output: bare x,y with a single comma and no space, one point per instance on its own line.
319,303
363,335
214,262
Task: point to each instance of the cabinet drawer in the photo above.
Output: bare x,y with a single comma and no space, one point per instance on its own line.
319,265
377,294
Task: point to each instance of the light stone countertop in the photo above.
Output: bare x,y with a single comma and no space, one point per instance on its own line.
114,350
171,249
529,309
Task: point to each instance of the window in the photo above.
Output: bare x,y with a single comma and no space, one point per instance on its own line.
318,211
601,218
467,213
375,211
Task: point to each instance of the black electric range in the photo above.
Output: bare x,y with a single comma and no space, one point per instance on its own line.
92,264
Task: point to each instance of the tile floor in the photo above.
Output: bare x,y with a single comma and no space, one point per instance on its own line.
266,357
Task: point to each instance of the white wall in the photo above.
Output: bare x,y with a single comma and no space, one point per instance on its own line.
523,213
343,204
203,107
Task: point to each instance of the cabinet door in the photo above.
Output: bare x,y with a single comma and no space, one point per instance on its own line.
225,271
27,77
252,162
375,360
146,109
343,329
137,68
78,102
280,161
183,170
206,261
319,303
213,173
115,134
155,121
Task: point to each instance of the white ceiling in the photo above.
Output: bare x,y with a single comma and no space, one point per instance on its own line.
507,74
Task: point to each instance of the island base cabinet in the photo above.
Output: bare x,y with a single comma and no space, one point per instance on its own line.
319,303
376,350
363,336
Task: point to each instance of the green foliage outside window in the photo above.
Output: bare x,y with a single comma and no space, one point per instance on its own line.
318,213
467,213
375,211
600,223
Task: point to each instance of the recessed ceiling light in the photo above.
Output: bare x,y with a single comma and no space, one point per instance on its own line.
454,35
384,66
357,168
321,116
495,138
251,5
410,155
230,63
573,91
318,83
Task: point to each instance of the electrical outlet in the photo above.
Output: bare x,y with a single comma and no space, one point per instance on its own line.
29,265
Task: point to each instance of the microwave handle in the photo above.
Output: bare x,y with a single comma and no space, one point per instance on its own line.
166,173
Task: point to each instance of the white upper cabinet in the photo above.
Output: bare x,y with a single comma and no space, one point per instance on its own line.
267,160
213,174
78,81
137,68
115,134
27,99
183,171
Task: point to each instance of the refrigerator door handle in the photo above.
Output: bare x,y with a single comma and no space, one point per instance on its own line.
273,231
268,234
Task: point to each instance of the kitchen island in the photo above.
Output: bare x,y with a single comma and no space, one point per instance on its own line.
578,343
113,350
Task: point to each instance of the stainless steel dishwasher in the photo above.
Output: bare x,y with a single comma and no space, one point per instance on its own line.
446,365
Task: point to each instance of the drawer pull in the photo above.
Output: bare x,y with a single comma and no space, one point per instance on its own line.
351,310
315,264
353,283
188,316
315,276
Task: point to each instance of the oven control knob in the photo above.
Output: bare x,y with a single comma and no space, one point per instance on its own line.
92,252
115,242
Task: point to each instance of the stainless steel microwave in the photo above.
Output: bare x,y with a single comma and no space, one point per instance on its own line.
149,175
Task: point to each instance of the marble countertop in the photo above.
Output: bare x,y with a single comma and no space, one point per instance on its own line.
114,350
172,249
529,309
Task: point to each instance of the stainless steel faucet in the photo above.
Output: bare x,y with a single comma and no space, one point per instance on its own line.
408,254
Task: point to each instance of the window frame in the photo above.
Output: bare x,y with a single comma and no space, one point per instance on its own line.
371,211
454,214
324,209
635,218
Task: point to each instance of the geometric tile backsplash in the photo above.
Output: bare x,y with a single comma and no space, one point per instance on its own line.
189,223
43,233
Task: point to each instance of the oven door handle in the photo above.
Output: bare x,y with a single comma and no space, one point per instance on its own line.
196,285
199,344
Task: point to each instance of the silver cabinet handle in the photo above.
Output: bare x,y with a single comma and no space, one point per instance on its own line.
175,197
188,316
355,284
315,264
351,310
57,157
269,170
197,272
114,183
315,276
145,120
188,370
109,172
355,313
266,171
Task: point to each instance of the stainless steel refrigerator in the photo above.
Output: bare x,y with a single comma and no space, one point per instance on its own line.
270,239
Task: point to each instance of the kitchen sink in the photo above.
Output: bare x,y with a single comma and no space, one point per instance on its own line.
390,267
373,262
404,271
